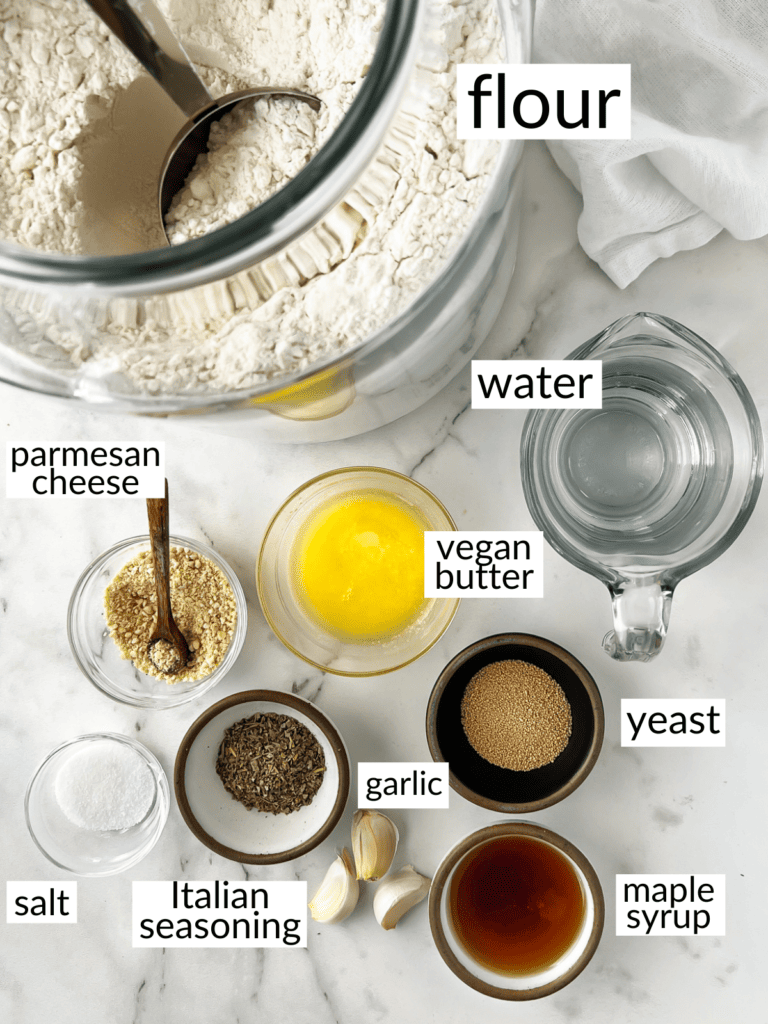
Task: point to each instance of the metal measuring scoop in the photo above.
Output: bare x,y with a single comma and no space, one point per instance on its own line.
173,652
142,29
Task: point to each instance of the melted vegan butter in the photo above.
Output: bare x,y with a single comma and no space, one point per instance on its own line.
360,565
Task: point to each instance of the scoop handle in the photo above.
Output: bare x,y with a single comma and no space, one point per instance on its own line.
142,29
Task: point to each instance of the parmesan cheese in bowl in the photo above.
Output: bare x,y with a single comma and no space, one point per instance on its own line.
109,598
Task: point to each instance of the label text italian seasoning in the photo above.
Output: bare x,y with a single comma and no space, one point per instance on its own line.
258,914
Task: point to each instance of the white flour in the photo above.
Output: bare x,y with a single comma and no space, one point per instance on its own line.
59,72
252,152
71,183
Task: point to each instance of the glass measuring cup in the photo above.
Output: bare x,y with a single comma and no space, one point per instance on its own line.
654,485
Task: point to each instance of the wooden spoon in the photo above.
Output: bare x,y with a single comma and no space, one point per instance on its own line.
165,628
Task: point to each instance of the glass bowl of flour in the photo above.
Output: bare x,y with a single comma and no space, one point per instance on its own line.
331,284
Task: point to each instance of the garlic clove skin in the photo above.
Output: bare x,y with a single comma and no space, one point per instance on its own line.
338,893
374,843
397,894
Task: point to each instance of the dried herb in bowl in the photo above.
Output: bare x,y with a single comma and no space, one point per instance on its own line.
271,762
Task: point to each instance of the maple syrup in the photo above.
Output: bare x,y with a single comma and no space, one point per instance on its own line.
516,905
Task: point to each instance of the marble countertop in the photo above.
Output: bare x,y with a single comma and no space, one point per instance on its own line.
671,810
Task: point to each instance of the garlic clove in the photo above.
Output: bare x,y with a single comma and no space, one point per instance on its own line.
338,893
397,894
374,842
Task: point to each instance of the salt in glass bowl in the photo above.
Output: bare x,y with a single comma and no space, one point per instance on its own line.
224,824
84,851
276,578
99,656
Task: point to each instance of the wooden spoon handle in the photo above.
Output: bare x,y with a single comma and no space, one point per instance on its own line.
157,514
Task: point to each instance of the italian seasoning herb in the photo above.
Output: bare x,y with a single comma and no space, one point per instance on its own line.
203,606
271,762
515,715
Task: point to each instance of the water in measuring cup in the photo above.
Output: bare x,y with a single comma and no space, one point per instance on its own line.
643,477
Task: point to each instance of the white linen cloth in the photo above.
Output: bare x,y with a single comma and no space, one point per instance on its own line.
698,158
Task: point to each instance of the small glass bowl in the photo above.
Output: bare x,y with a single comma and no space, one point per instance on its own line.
98,655
291,622
84,851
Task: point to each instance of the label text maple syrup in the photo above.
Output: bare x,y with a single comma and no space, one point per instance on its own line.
517,905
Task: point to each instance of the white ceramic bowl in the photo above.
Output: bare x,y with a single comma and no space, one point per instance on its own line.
224,824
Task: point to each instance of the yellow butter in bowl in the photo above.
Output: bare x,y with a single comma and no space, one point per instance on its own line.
360,565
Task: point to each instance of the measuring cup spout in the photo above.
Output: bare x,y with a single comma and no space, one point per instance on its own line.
640,619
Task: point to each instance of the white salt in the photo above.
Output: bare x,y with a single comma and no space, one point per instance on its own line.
105,786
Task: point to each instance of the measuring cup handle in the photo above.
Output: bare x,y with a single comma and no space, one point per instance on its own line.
640,620
142,29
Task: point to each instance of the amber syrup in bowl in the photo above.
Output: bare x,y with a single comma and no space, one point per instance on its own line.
516,905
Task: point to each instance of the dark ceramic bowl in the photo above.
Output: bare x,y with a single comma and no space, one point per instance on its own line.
501,986
223,824
500,789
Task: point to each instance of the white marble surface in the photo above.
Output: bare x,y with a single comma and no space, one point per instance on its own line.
652,810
